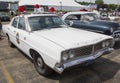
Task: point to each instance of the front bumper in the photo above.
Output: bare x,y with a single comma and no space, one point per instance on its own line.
60,67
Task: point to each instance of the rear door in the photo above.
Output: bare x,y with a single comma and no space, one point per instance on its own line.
12,30
22,35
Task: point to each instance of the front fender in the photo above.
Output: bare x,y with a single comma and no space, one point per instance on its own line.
49,51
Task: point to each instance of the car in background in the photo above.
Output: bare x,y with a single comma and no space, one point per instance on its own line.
90,21
51,44
4,16
105,16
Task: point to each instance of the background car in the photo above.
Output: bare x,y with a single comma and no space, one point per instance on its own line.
105,16
90,21
4,16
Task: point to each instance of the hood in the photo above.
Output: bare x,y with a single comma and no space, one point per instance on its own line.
70,37
108,24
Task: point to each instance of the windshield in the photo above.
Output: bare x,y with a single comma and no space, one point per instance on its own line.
45,22
89,17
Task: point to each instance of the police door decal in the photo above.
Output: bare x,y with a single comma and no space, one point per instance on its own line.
17,38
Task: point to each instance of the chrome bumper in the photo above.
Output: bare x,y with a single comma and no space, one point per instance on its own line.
60,67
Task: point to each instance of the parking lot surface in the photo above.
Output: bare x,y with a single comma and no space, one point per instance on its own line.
16,67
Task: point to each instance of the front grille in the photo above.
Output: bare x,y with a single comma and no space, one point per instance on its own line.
83,51
87,50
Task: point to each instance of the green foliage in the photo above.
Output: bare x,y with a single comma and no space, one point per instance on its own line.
112,6
84,3
99,2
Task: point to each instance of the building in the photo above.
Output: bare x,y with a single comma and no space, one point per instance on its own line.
6,5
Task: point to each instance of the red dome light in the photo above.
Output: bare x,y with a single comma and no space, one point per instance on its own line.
52,9
21,9
36,6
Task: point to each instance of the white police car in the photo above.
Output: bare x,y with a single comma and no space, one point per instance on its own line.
52,45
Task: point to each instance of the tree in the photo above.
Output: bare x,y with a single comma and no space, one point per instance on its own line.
112,6
84,3
100,2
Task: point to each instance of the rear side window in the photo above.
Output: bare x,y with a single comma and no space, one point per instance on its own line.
14,23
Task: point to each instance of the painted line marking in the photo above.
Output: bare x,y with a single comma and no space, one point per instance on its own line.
6,73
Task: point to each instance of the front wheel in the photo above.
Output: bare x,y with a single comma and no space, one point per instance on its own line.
40,66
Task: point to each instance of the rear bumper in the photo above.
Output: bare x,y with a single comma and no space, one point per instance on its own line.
60,67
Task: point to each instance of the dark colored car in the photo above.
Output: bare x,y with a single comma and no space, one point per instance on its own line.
90,21
4,16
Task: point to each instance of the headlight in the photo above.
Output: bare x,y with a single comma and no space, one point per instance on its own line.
71,54
106,44
65,56
68,55
103,44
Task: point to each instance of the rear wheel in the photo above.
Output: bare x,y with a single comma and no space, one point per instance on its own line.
40,66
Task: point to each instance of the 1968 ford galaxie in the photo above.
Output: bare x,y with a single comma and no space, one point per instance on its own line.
52,45
89,21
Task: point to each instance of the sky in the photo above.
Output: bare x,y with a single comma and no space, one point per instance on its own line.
105,1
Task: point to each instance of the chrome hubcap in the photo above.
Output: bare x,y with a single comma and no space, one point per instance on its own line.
39,62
